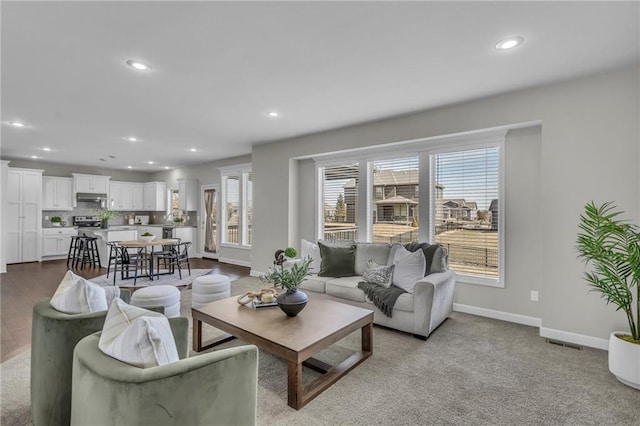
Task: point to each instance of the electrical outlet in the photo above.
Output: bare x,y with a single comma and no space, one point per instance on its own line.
534,296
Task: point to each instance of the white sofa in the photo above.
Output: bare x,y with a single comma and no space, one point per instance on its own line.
418,313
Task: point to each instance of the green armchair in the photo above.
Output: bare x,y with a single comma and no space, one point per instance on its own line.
53,336
219,387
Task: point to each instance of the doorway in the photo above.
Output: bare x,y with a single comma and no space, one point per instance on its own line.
209,229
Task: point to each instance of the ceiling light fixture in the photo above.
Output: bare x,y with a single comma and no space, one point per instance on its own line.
509,43
34,157
18,124
132,139
151,162
46,149
166,167
193,150
140,66
273,114
129,167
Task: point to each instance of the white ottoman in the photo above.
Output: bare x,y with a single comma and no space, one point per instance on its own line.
166,296
208,288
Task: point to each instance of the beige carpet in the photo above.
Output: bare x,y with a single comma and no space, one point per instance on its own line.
471,371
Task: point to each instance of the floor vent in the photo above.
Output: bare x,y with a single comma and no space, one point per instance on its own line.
566,345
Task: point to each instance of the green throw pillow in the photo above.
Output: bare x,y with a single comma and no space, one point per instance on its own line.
337,260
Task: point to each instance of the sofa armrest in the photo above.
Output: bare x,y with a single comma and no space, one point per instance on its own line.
433,301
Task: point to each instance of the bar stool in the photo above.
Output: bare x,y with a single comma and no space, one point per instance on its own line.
74,250
89,252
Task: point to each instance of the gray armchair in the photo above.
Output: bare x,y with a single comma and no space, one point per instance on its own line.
219,387
53,336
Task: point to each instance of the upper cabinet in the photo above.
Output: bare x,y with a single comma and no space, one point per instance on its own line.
92,184
188,194
126,196
155,196
57,193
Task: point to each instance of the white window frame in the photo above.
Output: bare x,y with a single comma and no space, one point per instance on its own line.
424,149
240,171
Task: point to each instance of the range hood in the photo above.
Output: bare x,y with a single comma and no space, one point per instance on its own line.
92,198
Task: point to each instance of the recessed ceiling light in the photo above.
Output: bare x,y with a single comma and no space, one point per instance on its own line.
273,114
129,167
46,149
509,43
140,66
193,150
151,162
34,156
166,167
132,139
18,124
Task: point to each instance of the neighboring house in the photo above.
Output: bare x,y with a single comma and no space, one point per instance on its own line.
459,209
493,208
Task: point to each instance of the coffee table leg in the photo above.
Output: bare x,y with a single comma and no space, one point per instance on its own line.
197,335
295,389
367,338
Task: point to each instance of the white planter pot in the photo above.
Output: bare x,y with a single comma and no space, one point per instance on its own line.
624,360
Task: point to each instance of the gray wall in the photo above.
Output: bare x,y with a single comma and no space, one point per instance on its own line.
588,150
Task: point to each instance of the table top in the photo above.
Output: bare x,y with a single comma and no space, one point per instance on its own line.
319,320
156,242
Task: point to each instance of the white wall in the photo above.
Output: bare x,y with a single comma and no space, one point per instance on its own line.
588,150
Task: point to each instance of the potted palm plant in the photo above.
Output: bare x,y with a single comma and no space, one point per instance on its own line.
612,247
292,301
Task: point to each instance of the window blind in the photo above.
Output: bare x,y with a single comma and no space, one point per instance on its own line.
340,201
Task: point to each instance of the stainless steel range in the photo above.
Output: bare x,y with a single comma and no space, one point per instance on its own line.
86,221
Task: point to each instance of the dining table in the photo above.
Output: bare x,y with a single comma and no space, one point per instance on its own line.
146,245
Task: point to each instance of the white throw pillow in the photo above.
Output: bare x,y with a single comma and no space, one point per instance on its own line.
137,336
409,268
307,248
75,295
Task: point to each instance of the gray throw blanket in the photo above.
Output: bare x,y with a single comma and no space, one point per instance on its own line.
382,297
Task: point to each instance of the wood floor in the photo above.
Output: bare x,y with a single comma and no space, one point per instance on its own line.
25,283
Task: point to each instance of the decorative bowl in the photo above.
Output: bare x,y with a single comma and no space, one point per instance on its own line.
147,238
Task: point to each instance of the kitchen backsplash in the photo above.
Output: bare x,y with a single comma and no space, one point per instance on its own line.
88,209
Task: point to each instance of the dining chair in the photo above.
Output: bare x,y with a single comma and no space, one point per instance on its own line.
166,253
126,262
180,257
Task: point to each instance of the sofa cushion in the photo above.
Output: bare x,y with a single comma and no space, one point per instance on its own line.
378,252
309,249
345,288
378,274
338,260
409,268
75,295
137,336
315,283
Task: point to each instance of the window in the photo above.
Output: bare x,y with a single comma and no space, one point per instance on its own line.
339,201
466,209
237,205
446,190
395,216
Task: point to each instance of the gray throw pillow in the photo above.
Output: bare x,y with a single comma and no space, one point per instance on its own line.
378,274
337,260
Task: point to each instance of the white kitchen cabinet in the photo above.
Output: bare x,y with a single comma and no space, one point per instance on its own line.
56,241
188,194
91,184
137,196
57,193
155,196
23,215
186,234
125,196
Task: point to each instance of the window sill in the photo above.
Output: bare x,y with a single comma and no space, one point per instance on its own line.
476,280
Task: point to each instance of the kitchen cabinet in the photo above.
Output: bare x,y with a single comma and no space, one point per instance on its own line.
56,241
155,196
23,215
186,234
57,193
125,196
91,184
188,194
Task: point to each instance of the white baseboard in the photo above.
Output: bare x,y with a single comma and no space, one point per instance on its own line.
499,315
235,262
577,339
256,274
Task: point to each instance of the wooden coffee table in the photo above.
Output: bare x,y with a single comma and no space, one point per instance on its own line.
295,339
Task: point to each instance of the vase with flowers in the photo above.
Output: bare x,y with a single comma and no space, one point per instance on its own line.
292,300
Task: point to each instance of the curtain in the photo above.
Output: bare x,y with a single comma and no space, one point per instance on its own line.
210,221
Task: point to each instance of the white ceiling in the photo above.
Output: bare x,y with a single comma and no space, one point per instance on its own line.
218,67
